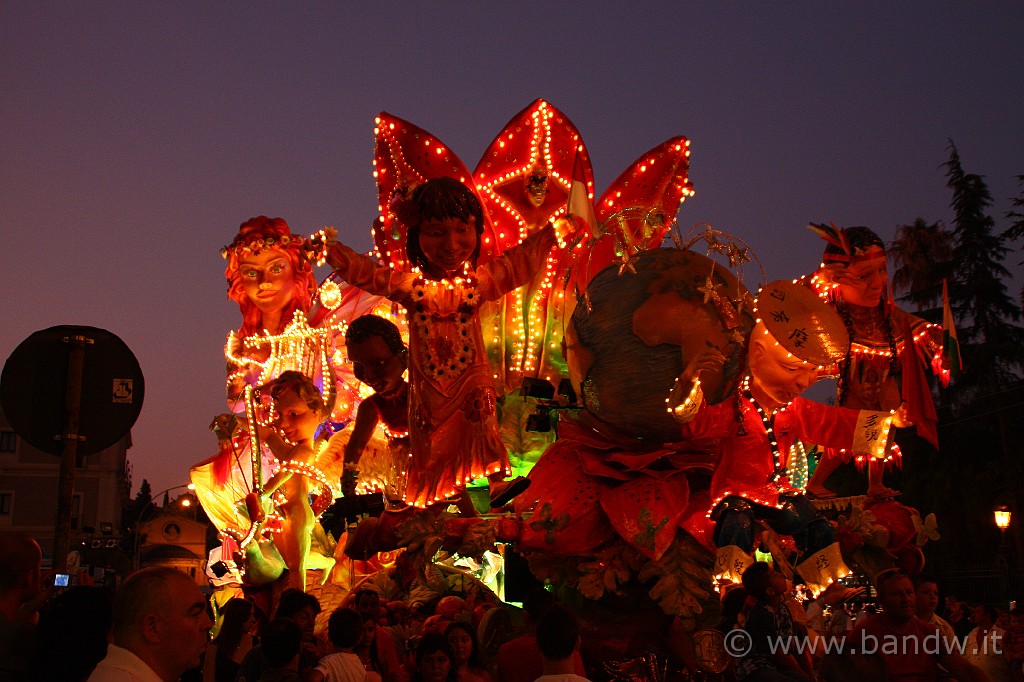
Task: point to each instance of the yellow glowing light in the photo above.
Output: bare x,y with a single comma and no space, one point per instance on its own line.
1002,517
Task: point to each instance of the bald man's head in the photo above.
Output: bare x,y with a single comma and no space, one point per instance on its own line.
20,564
160,616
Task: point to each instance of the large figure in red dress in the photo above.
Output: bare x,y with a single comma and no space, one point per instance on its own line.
873,375
795,336
453,412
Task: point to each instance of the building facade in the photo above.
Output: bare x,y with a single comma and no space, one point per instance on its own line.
29,480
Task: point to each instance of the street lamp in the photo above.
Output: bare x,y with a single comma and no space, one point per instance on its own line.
142,515
1002,515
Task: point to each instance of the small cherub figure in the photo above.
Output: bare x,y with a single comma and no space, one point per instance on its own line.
379,359
453,422
298,410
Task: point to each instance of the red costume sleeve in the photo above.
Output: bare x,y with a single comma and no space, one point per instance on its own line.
712,421
833,427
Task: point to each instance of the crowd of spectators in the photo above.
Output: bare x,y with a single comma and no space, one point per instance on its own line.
157,627
843,635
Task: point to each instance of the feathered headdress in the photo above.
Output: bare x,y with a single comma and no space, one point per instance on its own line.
847,245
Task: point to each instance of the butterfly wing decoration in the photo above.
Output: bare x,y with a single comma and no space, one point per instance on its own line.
638,209
928,529
524,178
525,175
406,156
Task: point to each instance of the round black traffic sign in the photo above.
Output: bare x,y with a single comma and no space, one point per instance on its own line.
33,388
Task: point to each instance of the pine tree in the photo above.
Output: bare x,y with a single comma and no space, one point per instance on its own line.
991,342
145,494
982,453
138,506
1016,229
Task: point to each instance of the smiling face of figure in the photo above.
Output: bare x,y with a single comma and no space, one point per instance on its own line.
268,280
447,244
864,283
778,376
296,419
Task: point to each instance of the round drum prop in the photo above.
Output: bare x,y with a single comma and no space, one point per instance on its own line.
629,342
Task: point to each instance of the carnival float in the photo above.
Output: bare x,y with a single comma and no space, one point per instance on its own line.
628,392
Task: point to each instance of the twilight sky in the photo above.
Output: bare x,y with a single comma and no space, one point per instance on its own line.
136,137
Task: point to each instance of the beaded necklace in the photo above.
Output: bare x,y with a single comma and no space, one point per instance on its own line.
462,353
768,421
845,365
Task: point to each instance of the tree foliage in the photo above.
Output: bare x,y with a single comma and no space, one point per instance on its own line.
981,456
922,256
991,342
145,494
1016,228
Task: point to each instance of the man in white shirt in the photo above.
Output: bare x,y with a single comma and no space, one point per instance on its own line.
986,645
160,628
926,593
558,637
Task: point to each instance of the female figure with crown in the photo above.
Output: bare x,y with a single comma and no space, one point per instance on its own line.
270,279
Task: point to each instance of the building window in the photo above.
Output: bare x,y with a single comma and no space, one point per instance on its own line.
8,441
6,502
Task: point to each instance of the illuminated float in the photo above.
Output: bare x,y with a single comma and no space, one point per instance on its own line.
618,509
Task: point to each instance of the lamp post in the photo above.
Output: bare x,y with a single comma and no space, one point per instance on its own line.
142,517
1002,518
189,503
1002,515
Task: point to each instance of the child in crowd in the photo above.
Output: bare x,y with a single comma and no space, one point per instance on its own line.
434,660
344,628
281,644
453,420
466,652
767,622
558,637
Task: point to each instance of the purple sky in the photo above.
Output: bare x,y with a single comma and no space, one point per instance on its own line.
136,137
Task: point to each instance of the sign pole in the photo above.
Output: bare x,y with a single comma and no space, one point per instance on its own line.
70,438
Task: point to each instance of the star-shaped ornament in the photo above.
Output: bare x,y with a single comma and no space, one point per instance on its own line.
710,289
